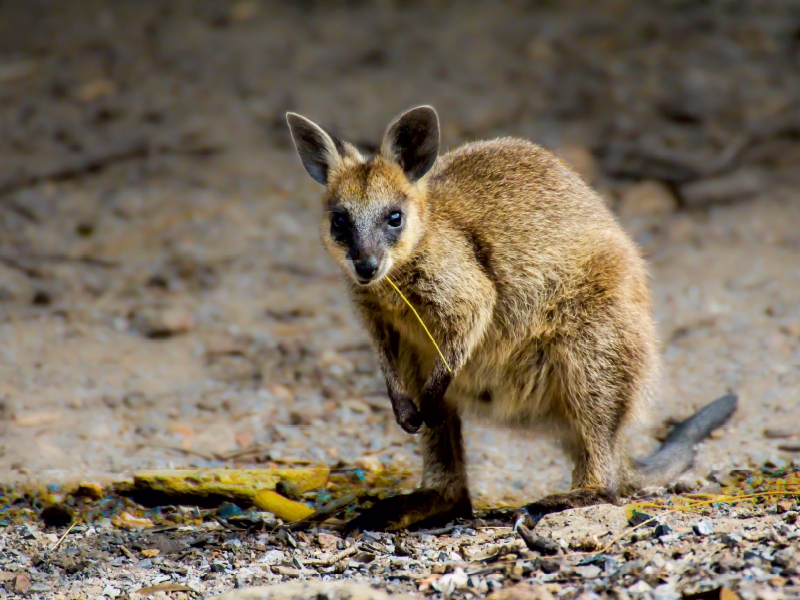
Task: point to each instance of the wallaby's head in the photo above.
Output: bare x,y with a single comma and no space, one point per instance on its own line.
374,207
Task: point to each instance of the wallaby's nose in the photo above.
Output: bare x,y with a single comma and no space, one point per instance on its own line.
366,267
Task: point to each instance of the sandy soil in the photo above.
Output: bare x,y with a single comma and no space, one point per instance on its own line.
164,297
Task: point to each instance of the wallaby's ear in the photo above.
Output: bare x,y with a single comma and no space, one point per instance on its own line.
320,152
413,141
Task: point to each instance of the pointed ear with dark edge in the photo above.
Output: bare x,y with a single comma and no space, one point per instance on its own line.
412,141
319,151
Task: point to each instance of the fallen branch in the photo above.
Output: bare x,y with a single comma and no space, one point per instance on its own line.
63,537
329,562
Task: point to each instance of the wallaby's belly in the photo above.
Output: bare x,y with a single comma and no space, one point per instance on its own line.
505,382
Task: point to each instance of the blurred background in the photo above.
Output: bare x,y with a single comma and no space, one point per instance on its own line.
164,298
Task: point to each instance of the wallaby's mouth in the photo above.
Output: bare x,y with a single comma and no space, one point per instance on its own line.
367,282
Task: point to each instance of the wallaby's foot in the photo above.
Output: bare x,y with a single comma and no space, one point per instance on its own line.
532,513
421,507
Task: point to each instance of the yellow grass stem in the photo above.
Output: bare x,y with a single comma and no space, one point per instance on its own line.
416,314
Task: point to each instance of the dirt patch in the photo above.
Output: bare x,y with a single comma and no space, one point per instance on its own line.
164,300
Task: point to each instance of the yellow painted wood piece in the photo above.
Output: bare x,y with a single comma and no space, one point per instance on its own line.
238,484
281,507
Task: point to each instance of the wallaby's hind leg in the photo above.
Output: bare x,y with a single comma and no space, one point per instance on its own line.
598,385
593,479
443,495
660,468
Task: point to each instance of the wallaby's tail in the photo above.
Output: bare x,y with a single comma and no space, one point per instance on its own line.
676,454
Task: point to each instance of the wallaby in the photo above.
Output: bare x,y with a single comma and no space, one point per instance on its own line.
538,300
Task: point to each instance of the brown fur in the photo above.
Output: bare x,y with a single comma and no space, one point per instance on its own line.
537,297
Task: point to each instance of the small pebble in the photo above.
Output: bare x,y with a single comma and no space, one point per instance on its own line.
550,565
640,587
661,530
588,572
778,433
732,538
703,528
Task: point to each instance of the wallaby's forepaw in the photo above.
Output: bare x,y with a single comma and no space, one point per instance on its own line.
407,414
424,506
411,423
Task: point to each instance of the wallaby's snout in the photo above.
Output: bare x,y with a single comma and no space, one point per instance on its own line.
366,267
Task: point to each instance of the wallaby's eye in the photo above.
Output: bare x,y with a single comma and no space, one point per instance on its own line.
338,221
395,219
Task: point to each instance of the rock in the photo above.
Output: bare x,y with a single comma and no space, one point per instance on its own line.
703,528
637,518
272,557
640,587
111,592
732,539
790,447
647,199
725,188
611,565
666,591
550,565
29,532
327,541
588,571
783,506
159,322
22,583
449,583
521,591
783,558
658,561
778,433
661,530
332,590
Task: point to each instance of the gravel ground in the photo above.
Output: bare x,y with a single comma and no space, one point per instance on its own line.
164,300
586,553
